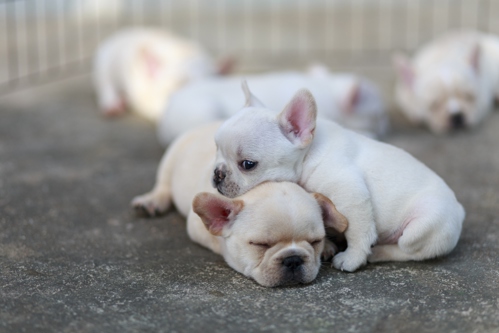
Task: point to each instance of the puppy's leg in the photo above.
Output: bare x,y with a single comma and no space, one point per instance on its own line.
198,233
109,99
425,237
390,252
158,200
361,232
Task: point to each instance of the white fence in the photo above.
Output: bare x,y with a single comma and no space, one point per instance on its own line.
44,40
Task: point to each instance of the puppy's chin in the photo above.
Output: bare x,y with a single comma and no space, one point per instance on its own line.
287,278
229,189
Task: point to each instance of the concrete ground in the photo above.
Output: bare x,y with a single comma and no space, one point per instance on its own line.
75,258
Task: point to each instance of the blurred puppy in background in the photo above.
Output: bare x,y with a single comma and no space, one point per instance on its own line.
139,68
350,100
451,83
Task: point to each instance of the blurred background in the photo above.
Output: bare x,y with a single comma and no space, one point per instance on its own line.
45,40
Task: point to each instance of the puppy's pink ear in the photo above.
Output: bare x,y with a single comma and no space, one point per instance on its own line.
474,58
251,100
297,120
216,211
352,98
330,215
152,62
404,70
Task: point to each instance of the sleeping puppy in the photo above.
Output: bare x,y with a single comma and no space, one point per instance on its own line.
397,208
273,233
451,83
348,99
139,68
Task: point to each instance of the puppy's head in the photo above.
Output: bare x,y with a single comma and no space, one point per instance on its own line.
445,97
361,105
255,145
274,233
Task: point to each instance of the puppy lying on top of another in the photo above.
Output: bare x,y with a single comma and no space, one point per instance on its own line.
350,100
451,83
396,207
138,69
273,233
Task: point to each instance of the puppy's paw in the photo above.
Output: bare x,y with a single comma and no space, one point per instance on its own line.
115,109
349,260
330,249
153,203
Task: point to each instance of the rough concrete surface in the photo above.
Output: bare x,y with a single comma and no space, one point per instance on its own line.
75,258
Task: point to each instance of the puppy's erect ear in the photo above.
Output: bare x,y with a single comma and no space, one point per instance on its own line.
216,211
251,100
405,72
474,57
330,215
297,120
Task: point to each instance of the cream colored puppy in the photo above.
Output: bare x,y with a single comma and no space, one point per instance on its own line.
273,233
451,83
347,99
139,68
397,208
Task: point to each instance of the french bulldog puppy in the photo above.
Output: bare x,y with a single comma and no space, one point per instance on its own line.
350,100
273,233
397,208
451,83
139,68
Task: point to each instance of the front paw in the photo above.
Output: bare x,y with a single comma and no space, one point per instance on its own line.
330,249
349,260
153,203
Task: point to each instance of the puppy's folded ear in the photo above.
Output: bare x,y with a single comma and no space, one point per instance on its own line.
216,211
251,100
297,120
330,215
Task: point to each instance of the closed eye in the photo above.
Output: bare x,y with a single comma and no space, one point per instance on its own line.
315,242
261,245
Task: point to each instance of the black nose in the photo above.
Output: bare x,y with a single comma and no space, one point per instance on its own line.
457,120
218,176
292,262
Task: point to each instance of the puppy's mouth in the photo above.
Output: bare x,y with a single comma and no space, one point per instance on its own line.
292,278
220,190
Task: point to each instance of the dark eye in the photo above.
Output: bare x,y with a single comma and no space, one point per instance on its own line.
261,245
248,165
315,242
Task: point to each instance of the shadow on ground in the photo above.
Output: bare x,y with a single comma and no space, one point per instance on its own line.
75,258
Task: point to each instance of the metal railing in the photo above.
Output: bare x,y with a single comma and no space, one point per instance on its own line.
44,40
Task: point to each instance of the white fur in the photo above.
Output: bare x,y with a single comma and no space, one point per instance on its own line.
391,200
217,98
139,68
282,215
460,66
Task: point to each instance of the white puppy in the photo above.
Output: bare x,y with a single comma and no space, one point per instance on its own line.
139,68
350,100
450,83
397,208
273,233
